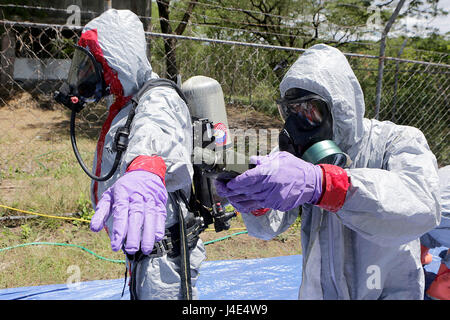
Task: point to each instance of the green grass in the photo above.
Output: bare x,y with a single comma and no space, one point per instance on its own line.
44,264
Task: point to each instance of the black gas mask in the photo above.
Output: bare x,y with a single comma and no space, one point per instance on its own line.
308,128
84,84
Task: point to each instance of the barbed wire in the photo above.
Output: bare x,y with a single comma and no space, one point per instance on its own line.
180,10
20,6
288,18
328,40
177,21
254,24
221,41
249,31
290,27
218,6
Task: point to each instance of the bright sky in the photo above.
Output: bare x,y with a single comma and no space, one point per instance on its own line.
440,22
443,23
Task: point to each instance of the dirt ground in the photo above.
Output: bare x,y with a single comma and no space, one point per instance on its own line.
248,117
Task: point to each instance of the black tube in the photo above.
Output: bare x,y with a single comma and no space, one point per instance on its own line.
78,156
185,268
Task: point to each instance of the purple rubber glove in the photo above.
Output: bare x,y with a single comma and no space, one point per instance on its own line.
279,181
137,202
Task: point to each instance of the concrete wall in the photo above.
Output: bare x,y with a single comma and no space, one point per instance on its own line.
45,69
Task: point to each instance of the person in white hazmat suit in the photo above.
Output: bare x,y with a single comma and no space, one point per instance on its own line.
439,289
360,226
139,204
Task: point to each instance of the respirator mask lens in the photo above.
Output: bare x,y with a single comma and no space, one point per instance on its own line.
310,110
308,129
84,76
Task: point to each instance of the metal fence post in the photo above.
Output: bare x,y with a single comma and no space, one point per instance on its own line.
397,67
8,49
148,26
379,84
108,4
381,58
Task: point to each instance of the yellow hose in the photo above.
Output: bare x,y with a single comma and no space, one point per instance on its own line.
44,215
78,219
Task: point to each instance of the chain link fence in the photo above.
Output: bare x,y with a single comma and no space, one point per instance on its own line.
35,59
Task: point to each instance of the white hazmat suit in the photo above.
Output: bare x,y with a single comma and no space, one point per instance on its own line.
161,126
369,249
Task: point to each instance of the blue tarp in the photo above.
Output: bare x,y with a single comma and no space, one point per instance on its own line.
276,278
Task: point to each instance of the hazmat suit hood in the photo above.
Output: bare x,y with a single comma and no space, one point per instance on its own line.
325,71
116,38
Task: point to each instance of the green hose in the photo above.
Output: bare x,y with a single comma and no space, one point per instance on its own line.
63,245
226,237
96,255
